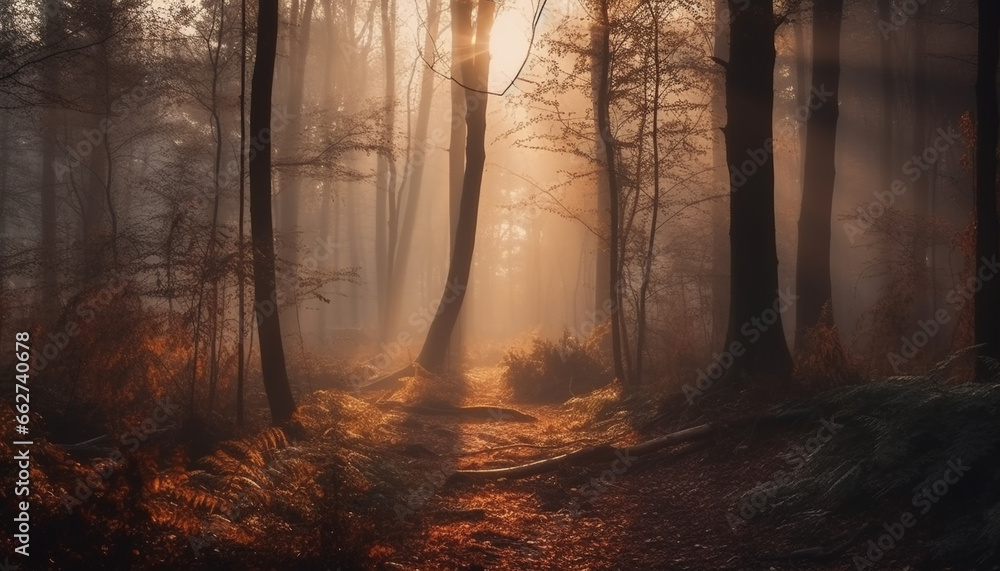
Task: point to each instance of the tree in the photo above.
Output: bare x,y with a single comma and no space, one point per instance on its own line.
475,75
640,342
385,188
400,239
987,299
50,265
812,270
240,277
720,241
602,49
753,285
272,356
289,181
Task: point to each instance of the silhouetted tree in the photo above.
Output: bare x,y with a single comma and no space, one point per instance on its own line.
754,263
272,355
475,74
987,300
602,49
812,270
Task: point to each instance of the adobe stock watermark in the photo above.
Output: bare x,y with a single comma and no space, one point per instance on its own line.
120,109
752,330
914,169
85,487
415,498
796,457
598,485
593,319
756,158
205,195
286,282
231,512
956,299
896,530
901,15
58,340
420,320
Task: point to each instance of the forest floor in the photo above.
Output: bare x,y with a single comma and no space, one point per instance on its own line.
674,509
369,480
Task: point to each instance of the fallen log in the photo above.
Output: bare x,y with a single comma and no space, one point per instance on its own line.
391,381
588,455
89,448
473,412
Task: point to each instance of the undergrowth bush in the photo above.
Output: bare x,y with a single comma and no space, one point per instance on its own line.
822,363
898,437
547,371
242,506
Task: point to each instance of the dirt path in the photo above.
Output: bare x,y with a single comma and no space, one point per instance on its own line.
676,509
666,511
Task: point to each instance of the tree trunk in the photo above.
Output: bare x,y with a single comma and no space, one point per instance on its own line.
50,277
647,270
476,73
987,299
921,241
812,270
290,183
602,47
461,43
754,325
888,99
720,241
399,252
602,254
272,356
240,277
385,184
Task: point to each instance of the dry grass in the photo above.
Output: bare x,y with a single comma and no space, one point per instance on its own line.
545,371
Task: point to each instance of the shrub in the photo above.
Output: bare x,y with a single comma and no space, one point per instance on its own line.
547,371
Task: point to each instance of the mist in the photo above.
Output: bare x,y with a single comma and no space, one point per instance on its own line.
612,284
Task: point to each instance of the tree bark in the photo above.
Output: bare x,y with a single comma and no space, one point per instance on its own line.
647,270
385,191
602,254
602,47
987,299
750,150
50,264
240,277
461,43
475,70
812,270
290,183
399,252
272,356
720,241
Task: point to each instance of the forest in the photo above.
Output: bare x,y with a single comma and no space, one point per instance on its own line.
500,284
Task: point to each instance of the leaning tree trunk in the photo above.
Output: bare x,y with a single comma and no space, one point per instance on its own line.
272,356
812,272
987,299
461,48
749,148
475,72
